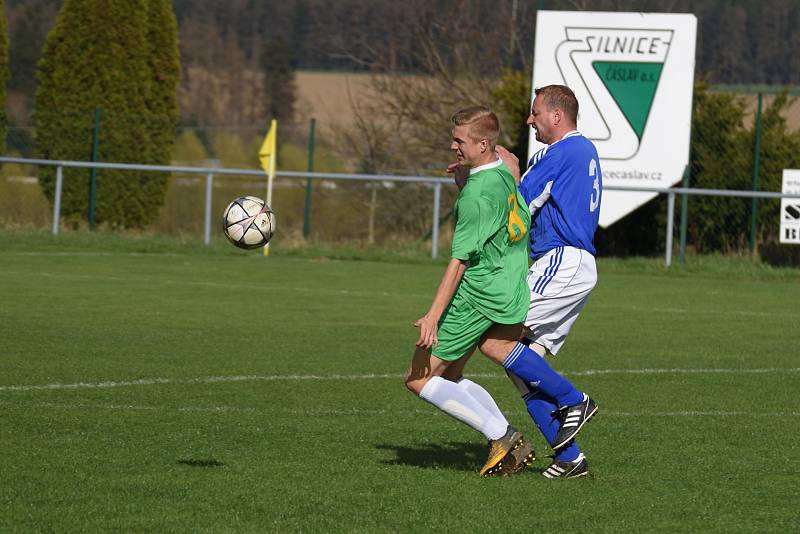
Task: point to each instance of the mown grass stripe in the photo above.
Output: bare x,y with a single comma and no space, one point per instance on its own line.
359,411
256,378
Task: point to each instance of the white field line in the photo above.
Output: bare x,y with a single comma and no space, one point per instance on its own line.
76,253
646,371
202,380
291,377
325,412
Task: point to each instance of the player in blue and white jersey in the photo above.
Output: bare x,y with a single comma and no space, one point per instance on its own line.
563,188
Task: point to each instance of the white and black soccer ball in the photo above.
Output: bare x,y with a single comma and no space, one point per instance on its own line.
248,222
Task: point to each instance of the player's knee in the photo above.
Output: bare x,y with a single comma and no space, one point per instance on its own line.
496,349
414,383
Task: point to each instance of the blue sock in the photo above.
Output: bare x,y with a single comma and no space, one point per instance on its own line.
541,408
534,369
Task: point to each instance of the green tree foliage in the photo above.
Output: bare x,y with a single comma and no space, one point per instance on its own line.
295,158
189,149
722,157
780,149
3,77
511,100
122,58
163,62
231,151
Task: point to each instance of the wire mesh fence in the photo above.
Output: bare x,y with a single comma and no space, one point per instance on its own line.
379,210
737,144
380,213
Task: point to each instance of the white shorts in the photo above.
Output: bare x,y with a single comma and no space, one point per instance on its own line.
560,283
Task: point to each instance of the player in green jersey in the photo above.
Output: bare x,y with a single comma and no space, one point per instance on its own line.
483,296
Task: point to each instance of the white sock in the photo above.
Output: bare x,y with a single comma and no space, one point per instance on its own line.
457,403
483,397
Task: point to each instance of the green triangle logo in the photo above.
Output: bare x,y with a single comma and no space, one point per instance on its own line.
632,86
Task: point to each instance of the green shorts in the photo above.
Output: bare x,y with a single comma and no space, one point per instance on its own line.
460,328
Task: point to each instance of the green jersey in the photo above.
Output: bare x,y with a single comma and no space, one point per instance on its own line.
492,221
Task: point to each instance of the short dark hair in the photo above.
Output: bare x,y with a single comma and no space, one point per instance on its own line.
561,97
482,121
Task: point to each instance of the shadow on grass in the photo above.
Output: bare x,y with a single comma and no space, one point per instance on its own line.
201,463
453,455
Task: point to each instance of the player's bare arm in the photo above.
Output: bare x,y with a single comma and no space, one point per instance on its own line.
511,161
460,174
428,323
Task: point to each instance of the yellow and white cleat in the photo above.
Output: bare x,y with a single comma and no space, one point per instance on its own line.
499,449
518,459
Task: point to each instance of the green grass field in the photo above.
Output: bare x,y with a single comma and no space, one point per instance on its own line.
157,387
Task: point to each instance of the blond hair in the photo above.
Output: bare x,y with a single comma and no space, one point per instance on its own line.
482,122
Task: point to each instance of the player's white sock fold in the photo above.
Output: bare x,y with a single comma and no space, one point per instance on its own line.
457,403
483,397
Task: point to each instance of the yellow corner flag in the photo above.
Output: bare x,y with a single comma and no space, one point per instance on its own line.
269,147
268,154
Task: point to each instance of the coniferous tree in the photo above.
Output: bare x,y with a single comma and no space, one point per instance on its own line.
119,57
162,101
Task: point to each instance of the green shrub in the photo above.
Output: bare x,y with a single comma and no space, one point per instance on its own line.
122,58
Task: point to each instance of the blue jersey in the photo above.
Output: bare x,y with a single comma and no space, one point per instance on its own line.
563,186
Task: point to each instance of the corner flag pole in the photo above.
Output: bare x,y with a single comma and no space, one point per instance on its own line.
268,154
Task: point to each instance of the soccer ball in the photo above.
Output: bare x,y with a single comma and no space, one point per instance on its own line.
248,222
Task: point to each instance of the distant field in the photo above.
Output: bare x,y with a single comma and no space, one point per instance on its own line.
158,387
327,95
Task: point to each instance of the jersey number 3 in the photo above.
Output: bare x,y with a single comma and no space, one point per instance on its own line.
516,227
594,197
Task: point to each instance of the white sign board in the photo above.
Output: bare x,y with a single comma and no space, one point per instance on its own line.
790,207
633,75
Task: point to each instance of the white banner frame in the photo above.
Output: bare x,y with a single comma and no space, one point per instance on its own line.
633,75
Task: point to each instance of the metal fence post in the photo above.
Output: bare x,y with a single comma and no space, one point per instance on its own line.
670,222
207,225
429,181
57,201
437,194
